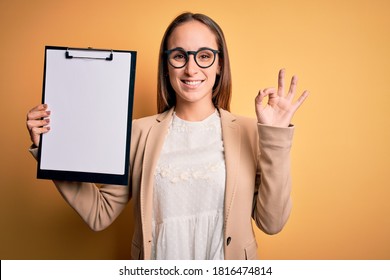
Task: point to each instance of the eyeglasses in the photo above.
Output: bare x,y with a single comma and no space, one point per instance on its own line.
204,57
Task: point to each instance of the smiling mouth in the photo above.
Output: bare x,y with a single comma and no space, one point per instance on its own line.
192,83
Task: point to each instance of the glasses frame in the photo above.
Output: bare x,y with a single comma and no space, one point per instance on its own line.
188,53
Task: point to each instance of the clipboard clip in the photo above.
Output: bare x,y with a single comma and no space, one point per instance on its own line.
108,58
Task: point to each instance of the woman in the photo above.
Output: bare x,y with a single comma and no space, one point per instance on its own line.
199,174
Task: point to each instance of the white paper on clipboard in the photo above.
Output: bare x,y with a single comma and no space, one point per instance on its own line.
89,99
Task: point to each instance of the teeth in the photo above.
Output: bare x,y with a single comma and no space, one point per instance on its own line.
192,83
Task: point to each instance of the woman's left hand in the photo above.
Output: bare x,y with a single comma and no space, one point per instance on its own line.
280,108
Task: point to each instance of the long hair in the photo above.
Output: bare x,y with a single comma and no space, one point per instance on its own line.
166,97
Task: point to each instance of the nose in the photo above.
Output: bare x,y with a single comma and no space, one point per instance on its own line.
191,67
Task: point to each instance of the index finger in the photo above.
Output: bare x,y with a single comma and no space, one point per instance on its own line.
38,112
40,107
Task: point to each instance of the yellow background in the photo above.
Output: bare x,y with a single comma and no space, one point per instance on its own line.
340,157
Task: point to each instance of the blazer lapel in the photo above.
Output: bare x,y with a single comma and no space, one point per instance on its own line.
153,147
232,145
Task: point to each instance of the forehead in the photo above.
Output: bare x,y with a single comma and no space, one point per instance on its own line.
192,35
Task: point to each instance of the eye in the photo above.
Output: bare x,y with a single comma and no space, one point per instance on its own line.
178,55
205,55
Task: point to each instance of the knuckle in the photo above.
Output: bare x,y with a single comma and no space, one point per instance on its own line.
29,125
28,115
36,130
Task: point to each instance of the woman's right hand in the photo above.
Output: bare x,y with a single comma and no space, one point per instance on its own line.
38,122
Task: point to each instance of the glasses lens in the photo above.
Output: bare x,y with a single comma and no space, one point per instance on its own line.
205,58
178,58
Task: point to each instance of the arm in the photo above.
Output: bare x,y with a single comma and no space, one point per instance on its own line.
272,205
98,207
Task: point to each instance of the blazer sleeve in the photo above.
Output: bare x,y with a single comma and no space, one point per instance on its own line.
272,200
97,206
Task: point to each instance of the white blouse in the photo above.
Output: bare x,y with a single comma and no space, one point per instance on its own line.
188,196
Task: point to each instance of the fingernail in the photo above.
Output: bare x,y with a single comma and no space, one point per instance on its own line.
47,120
48,112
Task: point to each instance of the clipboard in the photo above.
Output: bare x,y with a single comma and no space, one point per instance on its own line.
90,95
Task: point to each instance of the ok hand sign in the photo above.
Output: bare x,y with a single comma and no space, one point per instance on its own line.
280,108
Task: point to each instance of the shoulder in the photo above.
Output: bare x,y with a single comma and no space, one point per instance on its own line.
246,121
243,121
245,127
145,123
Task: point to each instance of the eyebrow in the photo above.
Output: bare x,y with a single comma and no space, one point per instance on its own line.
193,50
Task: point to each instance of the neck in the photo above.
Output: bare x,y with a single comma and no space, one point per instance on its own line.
194,112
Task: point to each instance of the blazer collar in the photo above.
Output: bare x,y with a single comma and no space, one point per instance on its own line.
167,115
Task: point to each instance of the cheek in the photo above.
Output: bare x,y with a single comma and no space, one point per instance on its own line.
216,68
173,73
173,79
213,73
